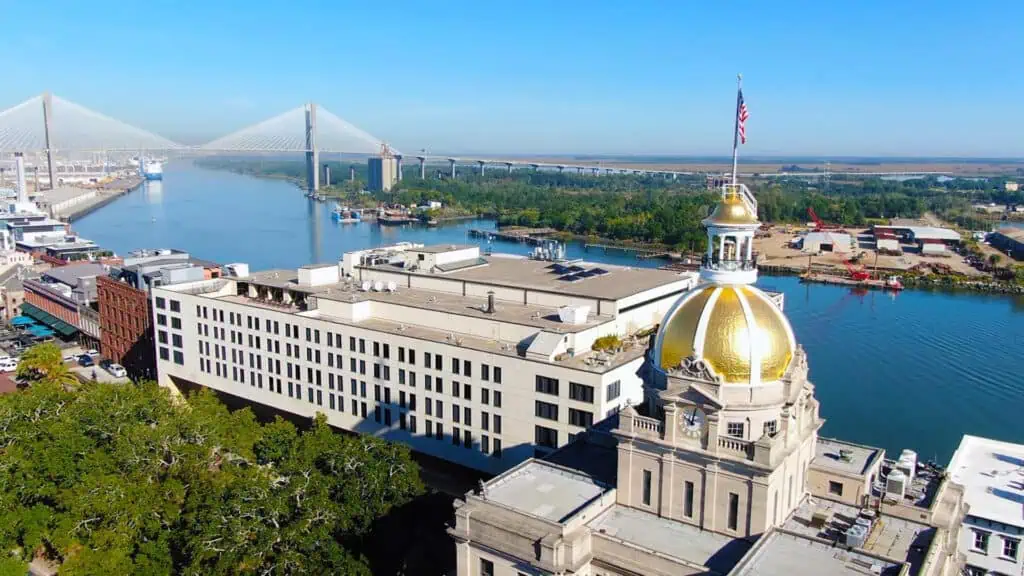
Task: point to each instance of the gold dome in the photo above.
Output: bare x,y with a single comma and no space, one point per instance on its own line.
732,210
736,329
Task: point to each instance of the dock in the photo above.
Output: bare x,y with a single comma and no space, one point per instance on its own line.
834,280
641,253
534,236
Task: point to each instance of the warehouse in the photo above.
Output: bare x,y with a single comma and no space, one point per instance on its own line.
815,242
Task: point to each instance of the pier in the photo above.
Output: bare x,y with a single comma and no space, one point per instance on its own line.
534,236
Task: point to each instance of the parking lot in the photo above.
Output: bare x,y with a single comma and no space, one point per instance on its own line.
13,342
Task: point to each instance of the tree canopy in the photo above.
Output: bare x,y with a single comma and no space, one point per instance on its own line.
124,479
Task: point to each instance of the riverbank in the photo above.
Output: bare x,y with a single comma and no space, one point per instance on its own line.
102,198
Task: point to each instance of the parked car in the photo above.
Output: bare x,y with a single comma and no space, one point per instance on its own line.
70,357
92,352
8,365
85,360
117,371
106,363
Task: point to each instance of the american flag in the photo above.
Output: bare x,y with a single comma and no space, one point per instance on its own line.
742,115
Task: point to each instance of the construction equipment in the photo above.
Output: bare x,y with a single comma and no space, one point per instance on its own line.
819,226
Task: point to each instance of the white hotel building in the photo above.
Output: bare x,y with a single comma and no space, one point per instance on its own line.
478,360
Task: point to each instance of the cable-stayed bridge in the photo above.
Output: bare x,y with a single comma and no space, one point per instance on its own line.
51,125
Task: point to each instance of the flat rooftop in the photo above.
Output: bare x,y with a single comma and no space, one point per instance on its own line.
858,458
442,248
893,538
925,232
1014,233
544,490
544,317
992,473
519,272
676,539
783,554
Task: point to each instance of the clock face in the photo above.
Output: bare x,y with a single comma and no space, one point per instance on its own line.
692,420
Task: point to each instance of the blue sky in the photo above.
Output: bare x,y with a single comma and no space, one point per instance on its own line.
864,78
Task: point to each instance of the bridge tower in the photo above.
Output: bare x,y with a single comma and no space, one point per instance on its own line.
312,154
47,125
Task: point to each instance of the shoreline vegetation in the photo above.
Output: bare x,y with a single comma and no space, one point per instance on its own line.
658,215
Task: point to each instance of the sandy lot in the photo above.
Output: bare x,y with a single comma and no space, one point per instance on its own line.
776,251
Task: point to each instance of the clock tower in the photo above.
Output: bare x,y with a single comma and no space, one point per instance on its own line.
736,420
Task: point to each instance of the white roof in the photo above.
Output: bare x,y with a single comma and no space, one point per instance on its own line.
828,237
544,490
992,473
926,232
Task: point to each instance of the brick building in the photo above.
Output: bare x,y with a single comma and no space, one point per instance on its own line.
125,327
125,309
56,297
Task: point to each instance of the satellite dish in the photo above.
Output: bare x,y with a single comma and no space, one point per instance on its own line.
366,286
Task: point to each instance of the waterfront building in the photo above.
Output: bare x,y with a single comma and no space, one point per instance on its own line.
721,470
382,173
815,242
12,292
125,314
480,360
56,297
1010,241
931,240
992,473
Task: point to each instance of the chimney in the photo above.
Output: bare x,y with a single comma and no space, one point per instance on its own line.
490,302
19,177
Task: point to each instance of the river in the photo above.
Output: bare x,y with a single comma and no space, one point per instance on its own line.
910,370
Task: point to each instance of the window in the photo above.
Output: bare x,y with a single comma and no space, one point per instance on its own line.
613,391
352,343
467,416
581,392
485,443
547,385
647,488
162,336
497,374
770,427
485,396
735,429
456,414
438,363
438,409
179,358
545,437
455,389
581,418
734,511
165,354
467,369
412,356
387,351
376,348
835,487
485,421
427,382
486,567
455,365
455,436
485,372
688,499
467,439
497,423
161,303
429,431
467,392
175,323
981,541
497,399
176,340
1010,546
175,306
309,334
426,360
362,346
401,376
161,319
497,448
545,410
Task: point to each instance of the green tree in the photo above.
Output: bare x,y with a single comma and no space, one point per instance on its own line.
993,259
45,363
114,479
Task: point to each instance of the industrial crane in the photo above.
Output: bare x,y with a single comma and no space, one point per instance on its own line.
857,274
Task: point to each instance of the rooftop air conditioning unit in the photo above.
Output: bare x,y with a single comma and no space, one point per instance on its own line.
573,314
378,286
896,484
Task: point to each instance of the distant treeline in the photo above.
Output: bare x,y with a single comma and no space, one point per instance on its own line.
652,209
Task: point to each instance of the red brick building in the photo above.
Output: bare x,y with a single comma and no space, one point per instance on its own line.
127,332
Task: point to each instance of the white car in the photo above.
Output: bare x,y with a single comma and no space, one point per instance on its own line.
70,357
8,365
117,371
93,353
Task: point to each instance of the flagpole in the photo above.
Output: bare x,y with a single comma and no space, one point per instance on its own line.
736,128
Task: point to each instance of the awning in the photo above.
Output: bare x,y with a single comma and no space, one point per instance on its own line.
22,321
60,326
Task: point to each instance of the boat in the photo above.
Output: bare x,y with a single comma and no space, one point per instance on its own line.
153,171
893,283
345,216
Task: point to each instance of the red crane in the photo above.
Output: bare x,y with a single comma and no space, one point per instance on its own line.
856,274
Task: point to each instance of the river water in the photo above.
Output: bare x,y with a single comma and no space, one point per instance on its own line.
910,370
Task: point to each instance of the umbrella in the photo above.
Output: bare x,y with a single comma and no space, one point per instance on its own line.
22,321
